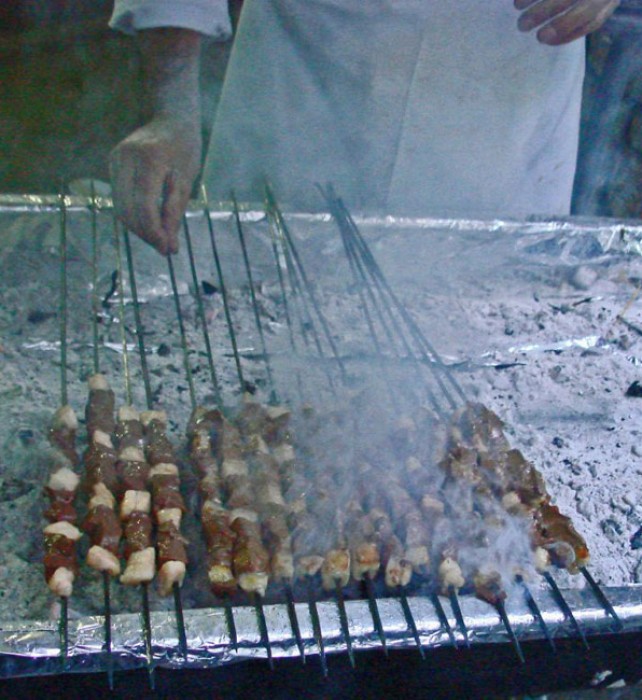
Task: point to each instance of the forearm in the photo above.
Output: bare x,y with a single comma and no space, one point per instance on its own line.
170,62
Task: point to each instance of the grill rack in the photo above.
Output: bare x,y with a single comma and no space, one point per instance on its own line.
456,632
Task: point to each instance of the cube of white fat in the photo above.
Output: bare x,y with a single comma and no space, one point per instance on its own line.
234,467
98,382
64,479
61,582
254,583
541,559
127,412
511,501
271,494
102,559
135,501
336,567
163,469
432,505
257,444
100,437
211,507
308,565
418,557
102,496
245,513
398,572
141,567
131,454
284,453
71,532
146,417
200,440
170,515
276,412
365,560
64,417
282,565
219,574
170,573
450,574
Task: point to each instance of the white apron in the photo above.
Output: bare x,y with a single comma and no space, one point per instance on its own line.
418,107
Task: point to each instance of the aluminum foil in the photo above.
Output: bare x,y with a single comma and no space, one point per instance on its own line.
620,235
31,648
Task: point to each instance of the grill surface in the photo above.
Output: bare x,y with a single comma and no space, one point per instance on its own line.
207,629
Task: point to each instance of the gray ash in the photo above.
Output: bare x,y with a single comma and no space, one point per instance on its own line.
464,287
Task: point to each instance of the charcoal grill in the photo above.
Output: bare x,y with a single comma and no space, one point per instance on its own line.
299,623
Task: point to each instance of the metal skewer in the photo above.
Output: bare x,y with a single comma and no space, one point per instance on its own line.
535,611
180,620
221,281
443,620
140,331
343,620
121,315
231,625
501,609
294,621
201,315
176,589
64,606
602,599
109,660
94,276
63,631
568,613
425,347
255,306
410,620
147,635
178,604
309,289
454,601
298,297
263,630
300,303
181,330
316,626
63,299
374,612
279,273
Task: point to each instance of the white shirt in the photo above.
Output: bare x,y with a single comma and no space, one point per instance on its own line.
419,107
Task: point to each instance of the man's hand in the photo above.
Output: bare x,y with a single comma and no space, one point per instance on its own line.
562,21
153,169
152,173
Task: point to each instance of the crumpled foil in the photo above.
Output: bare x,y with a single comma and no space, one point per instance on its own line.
612,235
34,647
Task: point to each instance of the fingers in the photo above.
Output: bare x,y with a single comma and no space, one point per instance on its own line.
138,180
175,200
541,12
152,172
136,191
563,21
146,198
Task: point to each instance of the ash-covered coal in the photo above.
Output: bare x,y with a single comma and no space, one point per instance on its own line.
563,374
